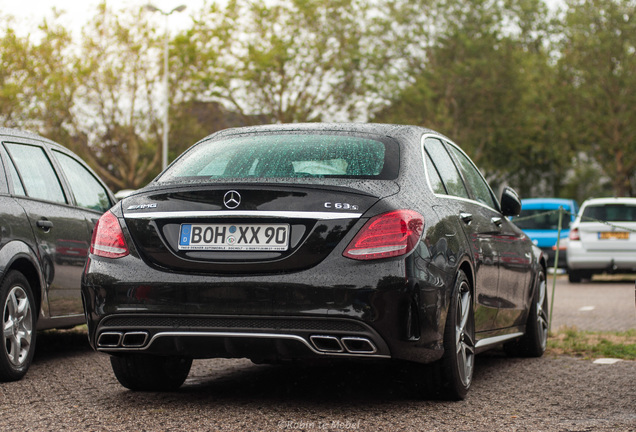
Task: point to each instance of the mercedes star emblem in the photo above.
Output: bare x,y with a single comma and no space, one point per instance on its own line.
232,199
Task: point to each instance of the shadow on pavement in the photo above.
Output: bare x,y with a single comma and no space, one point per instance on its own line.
327,383
59,343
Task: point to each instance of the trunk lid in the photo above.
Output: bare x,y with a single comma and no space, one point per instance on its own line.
598,236
243,228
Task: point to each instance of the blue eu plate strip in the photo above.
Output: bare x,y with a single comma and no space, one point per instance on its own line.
184,238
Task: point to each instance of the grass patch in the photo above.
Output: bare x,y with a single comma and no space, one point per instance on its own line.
592,345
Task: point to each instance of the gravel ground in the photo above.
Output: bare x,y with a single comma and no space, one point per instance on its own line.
71,388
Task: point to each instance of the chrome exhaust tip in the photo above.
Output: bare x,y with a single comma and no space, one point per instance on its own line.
109,340
134,339
358,345
328,344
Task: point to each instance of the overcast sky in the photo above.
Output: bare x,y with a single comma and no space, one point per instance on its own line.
78,12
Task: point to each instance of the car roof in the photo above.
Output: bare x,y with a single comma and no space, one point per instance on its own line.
392,130
19,133
609,200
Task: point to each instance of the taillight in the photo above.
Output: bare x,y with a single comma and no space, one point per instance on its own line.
574,234
108,238
387,235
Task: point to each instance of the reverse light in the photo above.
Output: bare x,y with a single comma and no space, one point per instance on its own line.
108,238
563,244
574,234
387,235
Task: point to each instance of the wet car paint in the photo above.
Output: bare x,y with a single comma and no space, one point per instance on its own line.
227,304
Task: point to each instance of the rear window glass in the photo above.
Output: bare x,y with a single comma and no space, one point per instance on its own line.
610,213
287,156
541,219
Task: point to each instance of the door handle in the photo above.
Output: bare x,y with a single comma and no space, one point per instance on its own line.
466,217
44,224
496,220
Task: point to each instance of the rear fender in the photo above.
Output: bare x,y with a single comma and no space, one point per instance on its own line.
17,255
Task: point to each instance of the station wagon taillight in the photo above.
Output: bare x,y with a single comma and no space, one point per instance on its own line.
387,235
574,234
108,238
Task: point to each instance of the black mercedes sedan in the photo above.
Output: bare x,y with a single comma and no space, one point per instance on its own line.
314,241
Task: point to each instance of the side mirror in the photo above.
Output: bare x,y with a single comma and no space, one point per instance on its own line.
510,202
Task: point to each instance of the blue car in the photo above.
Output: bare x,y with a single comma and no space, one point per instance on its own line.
543,227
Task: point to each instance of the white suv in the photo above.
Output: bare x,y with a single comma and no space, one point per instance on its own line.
602,238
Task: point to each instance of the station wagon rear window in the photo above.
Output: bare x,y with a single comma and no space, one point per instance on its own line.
288,156
610,213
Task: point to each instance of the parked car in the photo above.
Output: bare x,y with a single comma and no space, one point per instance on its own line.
542,226
315,241
603,238
49,203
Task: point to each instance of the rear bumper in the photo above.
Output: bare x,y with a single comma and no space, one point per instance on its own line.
343,312
599,261
258,338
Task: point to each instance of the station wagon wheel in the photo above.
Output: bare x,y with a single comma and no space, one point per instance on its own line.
18,327
150,373
535,340
574,276
459,342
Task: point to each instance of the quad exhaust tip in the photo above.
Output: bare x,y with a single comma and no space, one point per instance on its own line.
358,345
349,344
134,339
109,340
329,344
322,343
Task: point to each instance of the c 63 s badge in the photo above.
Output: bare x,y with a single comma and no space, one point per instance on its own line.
340,206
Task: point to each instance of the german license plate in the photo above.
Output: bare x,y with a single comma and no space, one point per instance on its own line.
607,235
234,237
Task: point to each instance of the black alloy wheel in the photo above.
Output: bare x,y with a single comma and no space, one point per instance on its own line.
458,362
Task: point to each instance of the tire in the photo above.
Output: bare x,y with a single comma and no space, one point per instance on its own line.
535,340
457,364
150,373
574,276
18,326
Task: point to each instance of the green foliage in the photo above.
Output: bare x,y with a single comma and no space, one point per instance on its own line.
291,61
119,105
598,69
546,105
570,341
484,86
14,65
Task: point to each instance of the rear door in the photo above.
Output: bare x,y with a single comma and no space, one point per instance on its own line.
90,196
476,221
508,244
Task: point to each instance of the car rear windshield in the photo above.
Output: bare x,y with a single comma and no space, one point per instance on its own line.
610,213
287,156
541,220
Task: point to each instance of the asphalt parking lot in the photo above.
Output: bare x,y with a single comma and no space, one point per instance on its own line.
71,388
607,303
